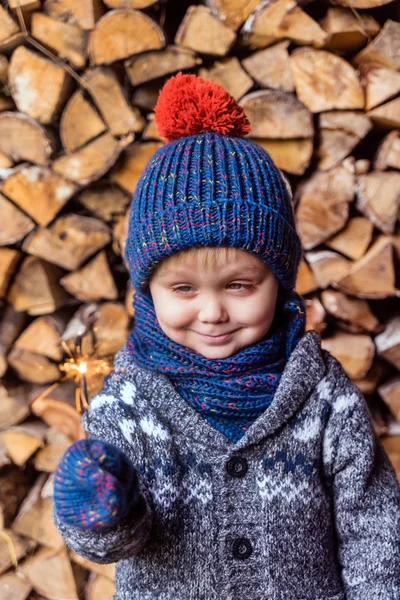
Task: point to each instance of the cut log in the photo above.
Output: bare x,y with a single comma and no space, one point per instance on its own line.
120,234
111,325
99,588
21,138
372,276
340,132
354,239
11,325
105,570
384,49
84,13
361,3
369,383
50,573
380,83
59,415
334,146
24,4
233,13
79,325
15,224
46,459
34,520
43,337
151,132
69,241
105,200
348,31
14,587
388,152
93,282
325,81
278,19
146,95
90,162
9,259
21,547
327,267
107,94
39,87
33,367
122,33
306,281
69,41
79,123
5,162
378,198
129,168
276,114
323,203
386,115
201,31
355,312
355,352
315,315
388,342
23,440
230,75
39,192
36,289
10,34
390,394
270,68
151,65
8,26
139,4
361,166
292,156
3,69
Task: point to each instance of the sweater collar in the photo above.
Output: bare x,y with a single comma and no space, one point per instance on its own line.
303,371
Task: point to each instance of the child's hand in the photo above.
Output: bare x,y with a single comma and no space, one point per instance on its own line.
95,485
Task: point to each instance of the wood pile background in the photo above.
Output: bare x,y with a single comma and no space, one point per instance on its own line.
320,83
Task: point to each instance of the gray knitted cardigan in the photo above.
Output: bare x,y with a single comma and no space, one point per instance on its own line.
306,506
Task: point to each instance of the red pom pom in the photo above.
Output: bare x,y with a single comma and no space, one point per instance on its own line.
189,105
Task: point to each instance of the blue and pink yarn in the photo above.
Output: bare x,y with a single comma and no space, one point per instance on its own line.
95,485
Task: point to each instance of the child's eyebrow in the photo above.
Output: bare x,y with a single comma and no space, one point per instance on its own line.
236,272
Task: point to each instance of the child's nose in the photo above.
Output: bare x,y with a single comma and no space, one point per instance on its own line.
213,310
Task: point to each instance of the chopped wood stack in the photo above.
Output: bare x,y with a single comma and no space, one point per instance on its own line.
320,83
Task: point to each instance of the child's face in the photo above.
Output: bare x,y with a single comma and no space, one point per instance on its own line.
235,300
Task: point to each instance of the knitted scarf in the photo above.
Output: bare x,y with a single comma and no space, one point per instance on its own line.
230,393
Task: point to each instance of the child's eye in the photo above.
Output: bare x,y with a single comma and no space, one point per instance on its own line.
243,285
184,289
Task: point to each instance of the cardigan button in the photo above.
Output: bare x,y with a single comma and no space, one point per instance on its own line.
237,466
242,548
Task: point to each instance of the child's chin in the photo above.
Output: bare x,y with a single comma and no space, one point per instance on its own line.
215,353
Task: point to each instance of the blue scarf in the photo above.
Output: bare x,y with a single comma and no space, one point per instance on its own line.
230,393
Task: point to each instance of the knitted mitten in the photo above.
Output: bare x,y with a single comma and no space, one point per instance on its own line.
95,485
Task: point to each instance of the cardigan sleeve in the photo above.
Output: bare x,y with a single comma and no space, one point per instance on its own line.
105,420
366,502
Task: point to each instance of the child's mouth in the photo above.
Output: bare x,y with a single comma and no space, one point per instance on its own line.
218,339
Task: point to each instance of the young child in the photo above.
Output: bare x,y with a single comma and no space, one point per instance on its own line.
228,456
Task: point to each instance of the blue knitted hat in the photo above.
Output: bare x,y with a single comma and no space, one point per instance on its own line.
209,187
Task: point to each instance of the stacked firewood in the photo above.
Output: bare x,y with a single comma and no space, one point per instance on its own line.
79,79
